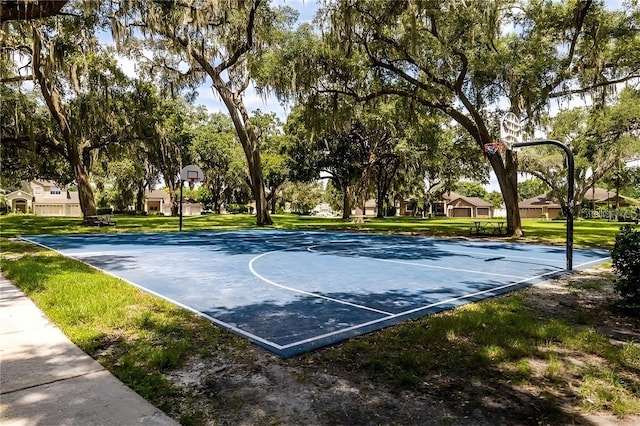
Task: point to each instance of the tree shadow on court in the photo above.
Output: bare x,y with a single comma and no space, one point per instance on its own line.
343,244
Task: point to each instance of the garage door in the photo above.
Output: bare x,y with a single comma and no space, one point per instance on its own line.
48,210
461,212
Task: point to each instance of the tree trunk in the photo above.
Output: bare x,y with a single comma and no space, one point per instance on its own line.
346,205
173,198
273,200
140,196
250,145
507,175
71,150
85,192
257,186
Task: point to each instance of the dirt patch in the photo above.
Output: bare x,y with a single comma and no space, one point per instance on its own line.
254,387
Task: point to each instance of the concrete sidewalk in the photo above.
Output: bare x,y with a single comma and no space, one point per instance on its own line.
47,380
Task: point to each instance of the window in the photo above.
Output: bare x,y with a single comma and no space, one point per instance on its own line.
54,191
38,190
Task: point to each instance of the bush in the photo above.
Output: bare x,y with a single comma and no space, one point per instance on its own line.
626,263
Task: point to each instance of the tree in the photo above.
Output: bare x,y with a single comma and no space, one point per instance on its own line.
223,41
23,129
216,150
472,189
170,147
601,139
457,58
275,146
14,10
530,188
80,84
302,197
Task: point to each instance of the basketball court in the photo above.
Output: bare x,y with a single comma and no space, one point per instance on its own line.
293,291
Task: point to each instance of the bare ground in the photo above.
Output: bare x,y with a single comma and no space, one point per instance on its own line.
251,386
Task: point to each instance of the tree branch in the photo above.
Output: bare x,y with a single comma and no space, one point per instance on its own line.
24,10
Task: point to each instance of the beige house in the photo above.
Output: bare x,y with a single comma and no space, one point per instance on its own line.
453,204
159,203
539,207
44,198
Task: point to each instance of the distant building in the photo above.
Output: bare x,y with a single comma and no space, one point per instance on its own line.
47,198
452,204
44,198
540,206
159,202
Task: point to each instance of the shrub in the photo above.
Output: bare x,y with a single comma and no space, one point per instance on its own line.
626,263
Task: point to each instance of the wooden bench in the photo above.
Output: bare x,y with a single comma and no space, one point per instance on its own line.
99,220
488,228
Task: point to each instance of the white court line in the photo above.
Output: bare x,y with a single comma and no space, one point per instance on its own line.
418,309
422,265
253,271
168,299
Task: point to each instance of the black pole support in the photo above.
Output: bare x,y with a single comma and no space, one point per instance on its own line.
181,185
570,190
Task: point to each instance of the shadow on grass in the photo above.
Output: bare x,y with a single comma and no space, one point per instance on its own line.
496,356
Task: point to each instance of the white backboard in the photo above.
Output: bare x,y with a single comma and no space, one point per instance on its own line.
191,173
510,130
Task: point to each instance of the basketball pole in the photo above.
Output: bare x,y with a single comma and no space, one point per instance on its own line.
570,189
181,185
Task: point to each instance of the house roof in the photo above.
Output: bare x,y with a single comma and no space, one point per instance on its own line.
156,194
537,202
474,201
603,195
44,182
66,197
20,193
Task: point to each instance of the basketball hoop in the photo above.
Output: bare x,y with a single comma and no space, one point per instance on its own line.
493,148
191,174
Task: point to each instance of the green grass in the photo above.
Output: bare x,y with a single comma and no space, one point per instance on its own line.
587,233
145,336
486,347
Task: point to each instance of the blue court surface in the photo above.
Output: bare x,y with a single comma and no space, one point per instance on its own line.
294,291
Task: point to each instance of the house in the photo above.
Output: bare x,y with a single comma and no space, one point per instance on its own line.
44,198
540,206
159,203
452,204
602,198
370,209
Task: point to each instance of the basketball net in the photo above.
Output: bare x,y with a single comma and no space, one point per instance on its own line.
493,148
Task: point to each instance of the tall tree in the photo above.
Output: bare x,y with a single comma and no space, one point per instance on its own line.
462,59
216,150
601,138
220,40
79,83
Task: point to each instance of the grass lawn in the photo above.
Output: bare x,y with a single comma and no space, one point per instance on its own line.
587,233
534,356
